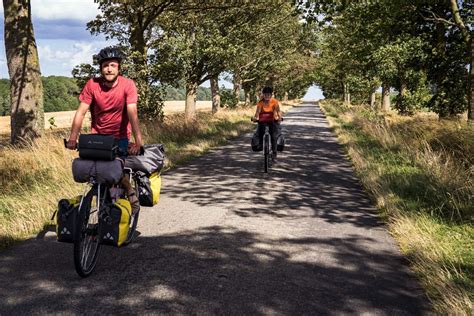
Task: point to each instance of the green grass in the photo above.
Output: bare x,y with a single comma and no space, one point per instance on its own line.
419,172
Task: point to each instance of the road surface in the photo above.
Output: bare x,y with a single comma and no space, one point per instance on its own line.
226,238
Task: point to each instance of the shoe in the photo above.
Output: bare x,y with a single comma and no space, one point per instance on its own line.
274,157
133,199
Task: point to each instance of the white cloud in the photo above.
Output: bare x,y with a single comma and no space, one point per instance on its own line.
83,10
59,57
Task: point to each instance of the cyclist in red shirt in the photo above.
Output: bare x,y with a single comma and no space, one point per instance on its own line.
268,112
112,101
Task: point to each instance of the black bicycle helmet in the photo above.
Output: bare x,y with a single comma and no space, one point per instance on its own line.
107,54
267,90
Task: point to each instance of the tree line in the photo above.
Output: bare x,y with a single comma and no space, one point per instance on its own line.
421,49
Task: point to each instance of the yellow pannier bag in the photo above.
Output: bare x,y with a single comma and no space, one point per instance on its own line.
115,223
155,184
148,188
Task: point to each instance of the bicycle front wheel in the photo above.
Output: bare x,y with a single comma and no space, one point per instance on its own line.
86,234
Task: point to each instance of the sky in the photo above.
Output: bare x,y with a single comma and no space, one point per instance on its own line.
63,41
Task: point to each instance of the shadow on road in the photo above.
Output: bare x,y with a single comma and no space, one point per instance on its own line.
213,270
311,178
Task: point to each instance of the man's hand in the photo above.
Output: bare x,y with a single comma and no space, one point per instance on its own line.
71,144
134,149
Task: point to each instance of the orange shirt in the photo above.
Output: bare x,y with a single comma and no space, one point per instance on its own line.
270,107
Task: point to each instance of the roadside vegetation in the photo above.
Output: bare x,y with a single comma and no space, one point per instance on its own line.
35,177
420,173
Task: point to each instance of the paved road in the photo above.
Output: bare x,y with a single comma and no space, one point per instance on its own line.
228,239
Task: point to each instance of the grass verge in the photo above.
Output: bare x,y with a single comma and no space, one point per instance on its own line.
34,178
420,173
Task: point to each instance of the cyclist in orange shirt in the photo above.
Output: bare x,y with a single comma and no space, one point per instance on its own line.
268,112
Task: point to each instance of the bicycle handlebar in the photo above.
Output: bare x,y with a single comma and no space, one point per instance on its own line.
252,119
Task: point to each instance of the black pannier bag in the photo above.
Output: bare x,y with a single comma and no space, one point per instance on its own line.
97,147
109,172
145,195
151,161
280,142
67,208
256,145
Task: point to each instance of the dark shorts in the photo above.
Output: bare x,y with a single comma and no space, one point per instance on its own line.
123,148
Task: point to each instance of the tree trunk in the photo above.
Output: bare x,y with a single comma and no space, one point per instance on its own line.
285,97
26,89
385,97
190,106
216,99
247,96
138,45
467,36
258,93
372,101
237,81
470,108
344,92
401,106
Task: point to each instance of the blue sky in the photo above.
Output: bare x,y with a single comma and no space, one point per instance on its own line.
63,41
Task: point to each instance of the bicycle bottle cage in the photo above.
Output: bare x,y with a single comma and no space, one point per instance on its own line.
97,147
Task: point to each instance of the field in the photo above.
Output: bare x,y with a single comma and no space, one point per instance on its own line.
64,119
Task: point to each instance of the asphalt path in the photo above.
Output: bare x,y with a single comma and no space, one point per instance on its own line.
227,238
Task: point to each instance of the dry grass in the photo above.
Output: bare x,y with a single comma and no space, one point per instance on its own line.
420,173
33,179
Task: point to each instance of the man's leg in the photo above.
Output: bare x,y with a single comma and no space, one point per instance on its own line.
125,181
274,128
130,192
261,131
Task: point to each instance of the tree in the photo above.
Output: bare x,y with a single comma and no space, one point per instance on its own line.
413,46
27,117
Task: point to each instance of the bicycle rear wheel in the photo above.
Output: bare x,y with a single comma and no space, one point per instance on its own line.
86,234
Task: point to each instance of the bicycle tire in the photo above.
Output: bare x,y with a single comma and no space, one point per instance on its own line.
87,232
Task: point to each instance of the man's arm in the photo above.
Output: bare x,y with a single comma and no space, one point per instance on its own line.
77,124
137,134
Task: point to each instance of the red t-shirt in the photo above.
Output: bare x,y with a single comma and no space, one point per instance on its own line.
108,106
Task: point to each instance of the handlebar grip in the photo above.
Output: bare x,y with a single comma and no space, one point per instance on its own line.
65,143
142,151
